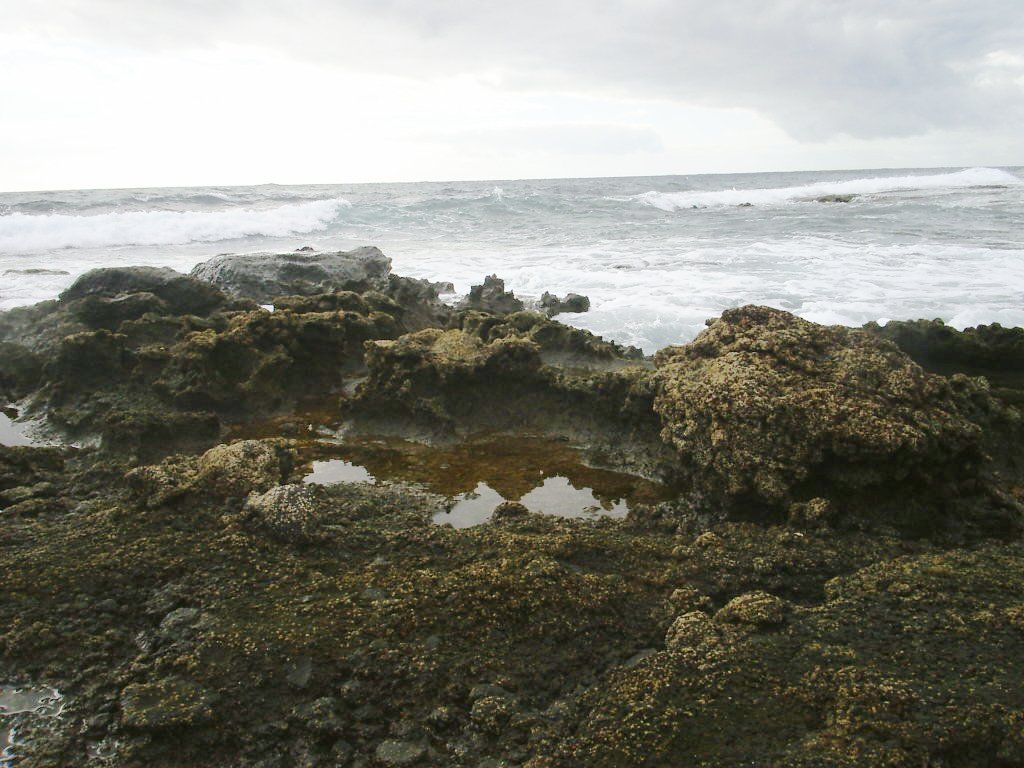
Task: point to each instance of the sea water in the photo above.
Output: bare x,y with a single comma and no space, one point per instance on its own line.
656,255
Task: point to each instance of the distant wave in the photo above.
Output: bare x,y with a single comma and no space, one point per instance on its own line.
972,177
21,232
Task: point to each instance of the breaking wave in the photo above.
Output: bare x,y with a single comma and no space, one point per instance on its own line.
966,179
20,232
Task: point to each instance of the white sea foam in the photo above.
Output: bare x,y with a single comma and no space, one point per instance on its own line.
27,233
966,179
935,244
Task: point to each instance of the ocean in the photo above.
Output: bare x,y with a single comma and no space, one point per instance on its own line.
656,255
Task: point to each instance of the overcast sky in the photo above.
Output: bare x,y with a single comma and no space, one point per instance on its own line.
103,93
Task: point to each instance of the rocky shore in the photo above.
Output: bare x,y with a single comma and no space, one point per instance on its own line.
830,572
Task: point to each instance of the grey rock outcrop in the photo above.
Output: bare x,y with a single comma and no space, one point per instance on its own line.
491,296
573,302
264,276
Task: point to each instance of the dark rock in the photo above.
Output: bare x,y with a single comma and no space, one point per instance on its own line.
97,311
182,294
299,671
167,703
36,271
992,351
812,514
551,305
264,277
19,372
509,510
399,753
417,303
492,297
178,622
834,198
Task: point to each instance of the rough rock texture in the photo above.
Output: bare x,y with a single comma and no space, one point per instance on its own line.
767,408
260,360
290,513
98,289
992,351
206,609
164,704
756,609
229,470
264,277
551,305
491,296
878,674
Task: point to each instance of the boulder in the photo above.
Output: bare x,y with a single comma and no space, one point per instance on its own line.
491,296
183,295
238,469
104,312
768,409
289,513
264,277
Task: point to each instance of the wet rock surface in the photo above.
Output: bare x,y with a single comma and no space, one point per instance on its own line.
834,579
264,277
491,296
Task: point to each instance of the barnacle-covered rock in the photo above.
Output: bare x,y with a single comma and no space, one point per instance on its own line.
765,408
690,629
289,513
248,466
165,703
757,609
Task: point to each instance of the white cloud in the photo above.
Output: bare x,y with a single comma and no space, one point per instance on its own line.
101,92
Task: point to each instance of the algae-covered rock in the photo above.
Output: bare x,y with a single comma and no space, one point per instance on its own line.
262,360
176,293
238,469
19,371
559,344
690,629
438,376
767,407
264,277
757,609
165,703
992,351
491,296
289,513
928,675
399,753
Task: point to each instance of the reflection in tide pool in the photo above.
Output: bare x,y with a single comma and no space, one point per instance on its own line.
17,703
12,432
555,496
544,475
337,471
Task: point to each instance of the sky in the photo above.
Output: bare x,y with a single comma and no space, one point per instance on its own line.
129,93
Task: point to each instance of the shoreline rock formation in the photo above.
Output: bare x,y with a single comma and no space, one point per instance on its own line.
836,579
